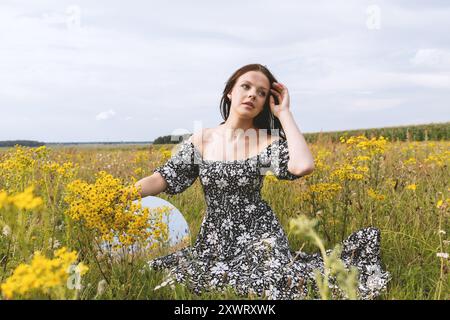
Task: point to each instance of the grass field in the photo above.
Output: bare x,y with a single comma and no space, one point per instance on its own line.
57,212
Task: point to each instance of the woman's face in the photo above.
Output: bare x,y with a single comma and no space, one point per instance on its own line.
249,94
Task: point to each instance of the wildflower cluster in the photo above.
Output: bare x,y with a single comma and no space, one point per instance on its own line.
357,168
165,154
370,147
22,200
17,166
350,172
42,274
107,208
66,170
320,158
439,158
410,161
324,191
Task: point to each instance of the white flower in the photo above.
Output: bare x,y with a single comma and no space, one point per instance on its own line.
242,226
222,183
170,172
375,280
242,181
443,255
205,181
214,282
273,263
101,287
227,224
243,238
250,208
219,268
234,199
6,230
56,244
212,238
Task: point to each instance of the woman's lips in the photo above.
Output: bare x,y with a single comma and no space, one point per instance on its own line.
248,105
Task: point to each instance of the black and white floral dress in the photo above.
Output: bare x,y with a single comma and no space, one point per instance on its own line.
241,242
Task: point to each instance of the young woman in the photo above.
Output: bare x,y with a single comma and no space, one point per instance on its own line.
241,242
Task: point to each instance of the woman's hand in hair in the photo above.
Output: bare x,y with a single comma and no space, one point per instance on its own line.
281,93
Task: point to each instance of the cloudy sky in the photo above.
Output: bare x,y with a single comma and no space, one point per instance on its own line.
132,71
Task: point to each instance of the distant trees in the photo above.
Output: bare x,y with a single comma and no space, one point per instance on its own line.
171,139
25,143
423,132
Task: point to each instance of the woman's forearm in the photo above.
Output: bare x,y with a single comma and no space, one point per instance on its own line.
151,185
300,158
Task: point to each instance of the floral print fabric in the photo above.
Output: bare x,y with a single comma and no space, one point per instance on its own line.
241,242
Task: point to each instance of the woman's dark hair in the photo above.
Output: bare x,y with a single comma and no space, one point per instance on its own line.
265,119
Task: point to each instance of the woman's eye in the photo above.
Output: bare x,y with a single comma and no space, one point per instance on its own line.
246,86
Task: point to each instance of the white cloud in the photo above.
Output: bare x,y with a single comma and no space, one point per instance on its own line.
432,58
105,115
166,63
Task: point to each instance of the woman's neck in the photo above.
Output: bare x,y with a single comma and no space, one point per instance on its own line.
234,130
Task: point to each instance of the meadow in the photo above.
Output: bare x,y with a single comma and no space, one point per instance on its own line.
68,229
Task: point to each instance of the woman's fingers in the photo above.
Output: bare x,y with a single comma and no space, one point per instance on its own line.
275,86
277,94
279,88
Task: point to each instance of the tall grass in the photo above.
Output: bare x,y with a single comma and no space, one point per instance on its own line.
402,189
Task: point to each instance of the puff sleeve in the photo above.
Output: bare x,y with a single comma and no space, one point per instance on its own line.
181,170
279,158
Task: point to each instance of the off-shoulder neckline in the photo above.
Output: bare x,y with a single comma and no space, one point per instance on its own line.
232,161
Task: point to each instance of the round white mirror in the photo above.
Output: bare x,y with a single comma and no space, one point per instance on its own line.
178,227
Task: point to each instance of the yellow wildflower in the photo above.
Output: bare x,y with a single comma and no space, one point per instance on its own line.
410,161
370,147
270,177
374,195
41,275
106,207
23,200
324,191
349,172
26,200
